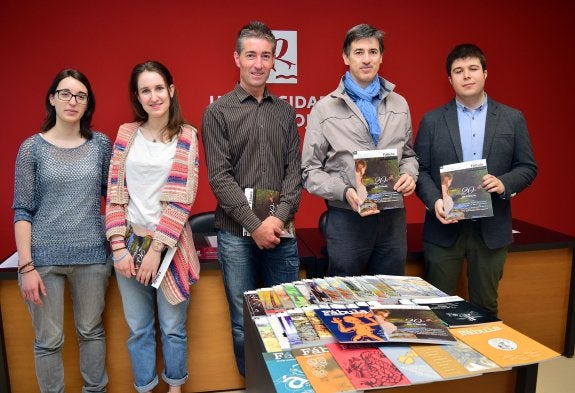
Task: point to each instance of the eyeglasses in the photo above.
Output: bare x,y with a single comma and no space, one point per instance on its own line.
66,95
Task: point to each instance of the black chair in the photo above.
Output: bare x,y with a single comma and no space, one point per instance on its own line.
202,222
322,263
322,221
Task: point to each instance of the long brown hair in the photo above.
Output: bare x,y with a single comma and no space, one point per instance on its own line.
175,118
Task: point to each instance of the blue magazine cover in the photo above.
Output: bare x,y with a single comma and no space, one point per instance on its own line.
352,325
410,364
286,373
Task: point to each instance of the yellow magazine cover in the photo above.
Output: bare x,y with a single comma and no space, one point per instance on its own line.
270,300
444,364
267,334
321,370
504,345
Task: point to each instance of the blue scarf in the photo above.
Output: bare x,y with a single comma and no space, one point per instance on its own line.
363,99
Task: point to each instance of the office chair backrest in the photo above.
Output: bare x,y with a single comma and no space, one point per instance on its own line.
202,222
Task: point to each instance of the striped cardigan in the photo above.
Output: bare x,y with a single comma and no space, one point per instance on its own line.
177,197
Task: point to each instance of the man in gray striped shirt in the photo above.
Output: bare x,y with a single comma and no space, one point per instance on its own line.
251,141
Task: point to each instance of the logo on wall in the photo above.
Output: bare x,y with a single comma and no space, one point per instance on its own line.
285,67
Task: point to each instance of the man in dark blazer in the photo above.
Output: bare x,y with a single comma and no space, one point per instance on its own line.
471,127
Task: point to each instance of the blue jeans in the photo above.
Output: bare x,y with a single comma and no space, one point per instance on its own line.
139,303
358,245
242,263
87,284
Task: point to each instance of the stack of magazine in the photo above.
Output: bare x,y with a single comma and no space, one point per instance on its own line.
368,332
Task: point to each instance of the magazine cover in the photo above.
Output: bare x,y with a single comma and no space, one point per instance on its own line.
254,303
376,172
304,328
286,373
463,196
457,312
321,330
346,293
289,329
443,362
389,292
267,335
411,286
316,290
414,324
505,346
305,292
366,366
282,295
297,298
358,290
330,291
455,361
270,300
410,364
279,331
321,370
352,325
471,359
264,204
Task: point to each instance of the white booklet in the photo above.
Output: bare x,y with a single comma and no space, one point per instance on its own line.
164,266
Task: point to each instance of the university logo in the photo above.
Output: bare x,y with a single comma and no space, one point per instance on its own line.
285,68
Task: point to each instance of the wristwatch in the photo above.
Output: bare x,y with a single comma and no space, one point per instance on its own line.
157,246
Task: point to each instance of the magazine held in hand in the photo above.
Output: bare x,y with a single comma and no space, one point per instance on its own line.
264,203
376,171
463,196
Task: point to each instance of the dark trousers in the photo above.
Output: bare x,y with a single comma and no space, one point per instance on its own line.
484,266
358,245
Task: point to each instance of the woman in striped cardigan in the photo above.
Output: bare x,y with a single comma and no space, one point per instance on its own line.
151,188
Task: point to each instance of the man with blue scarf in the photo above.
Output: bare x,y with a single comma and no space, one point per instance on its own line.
362,114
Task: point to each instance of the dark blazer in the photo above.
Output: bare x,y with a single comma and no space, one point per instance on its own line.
509,156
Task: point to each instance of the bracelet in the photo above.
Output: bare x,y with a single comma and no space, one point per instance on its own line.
119,248
117,241
21,267
27,271
120,258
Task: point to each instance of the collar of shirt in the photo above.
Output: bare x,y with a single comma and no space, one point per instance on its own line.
472,111
472,129
244,95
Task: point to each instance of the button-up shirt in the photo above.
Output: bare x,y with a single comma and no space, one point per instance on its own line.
472,129
251,144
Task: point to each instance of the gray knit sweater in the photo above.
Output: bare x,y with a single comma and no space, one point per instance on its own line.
58,190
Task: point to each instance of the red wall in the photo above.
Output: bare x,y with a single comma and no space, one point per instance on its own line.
528,46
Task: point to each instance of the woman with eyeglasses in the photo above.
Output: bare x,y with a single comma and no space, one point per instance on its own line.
61,177
151,189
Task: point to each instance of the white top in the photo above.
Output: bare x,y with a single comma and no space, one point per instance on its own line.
147,168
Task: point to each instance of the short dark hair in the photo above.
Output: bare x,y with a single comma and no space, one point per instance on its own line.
175,117
255,29
360,32
464,51
86,120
